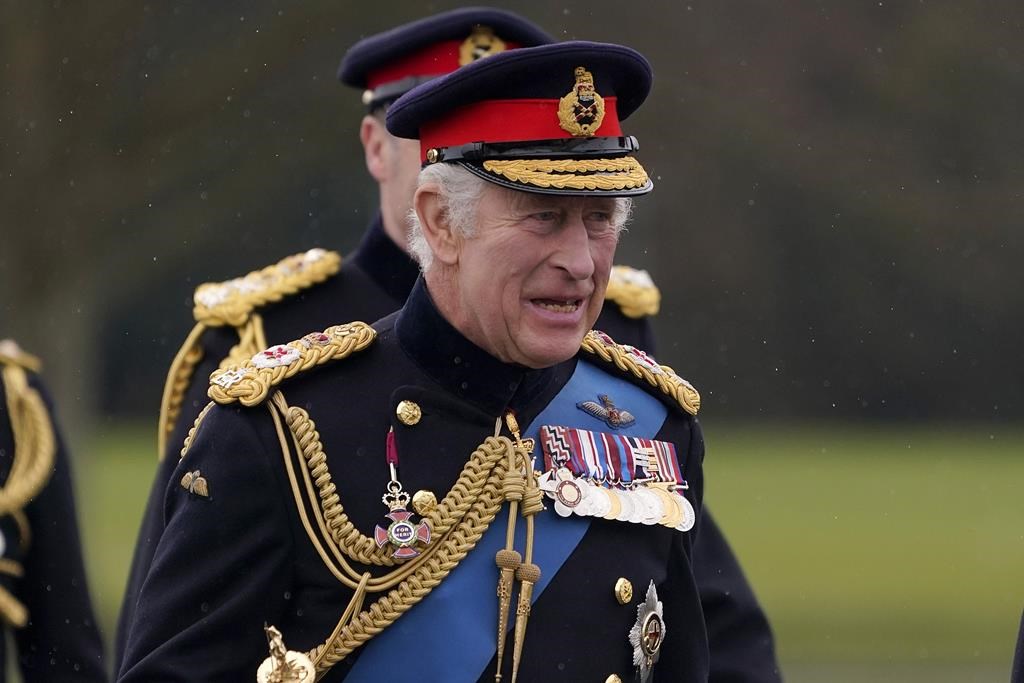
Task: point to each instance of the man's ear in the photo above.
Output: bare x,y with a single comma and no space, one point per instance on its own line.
443,241
375,147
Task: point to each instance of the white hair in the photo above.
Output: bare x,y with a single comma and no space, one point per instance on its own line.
459,194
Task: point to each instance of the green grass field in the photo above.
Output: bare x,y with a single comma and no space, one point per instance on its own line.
881,553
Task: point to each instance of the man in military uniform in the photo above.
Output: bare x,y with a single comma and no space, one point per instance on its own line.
312,290
365,491
44,596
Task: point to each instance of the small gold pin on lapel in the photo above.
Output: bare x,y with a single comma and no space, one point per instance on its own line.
195,483
408,412
623,591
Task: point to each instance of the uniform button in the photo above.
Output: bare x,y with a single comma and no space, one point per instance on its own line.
424,502
623,593
613,679
408,413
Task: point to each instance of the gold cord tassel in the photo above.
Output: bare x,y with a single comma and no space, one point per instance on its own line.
508,559
528,575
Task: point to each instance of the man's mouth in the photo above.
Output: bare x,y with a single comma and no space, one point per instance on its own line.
558,305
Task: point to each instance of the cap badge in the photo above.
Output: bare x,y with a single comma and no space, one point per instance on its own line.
581,111
481,43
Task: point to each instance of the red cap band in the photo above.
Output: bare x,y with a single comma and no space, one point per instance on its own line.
507,121
433,60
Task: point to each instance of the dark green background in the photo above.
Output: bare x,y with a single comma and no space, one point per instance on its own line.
835,225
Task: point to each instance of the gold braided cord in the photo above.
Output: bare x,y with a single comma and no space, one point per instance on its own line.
34,442
441,556
457,524
232,302
253,384
624,173
664,378
335,524
633,291
192,430
251,340
35,449
178,377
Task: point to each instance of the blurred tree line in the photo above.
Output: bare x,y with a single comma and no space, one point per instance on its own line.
835,227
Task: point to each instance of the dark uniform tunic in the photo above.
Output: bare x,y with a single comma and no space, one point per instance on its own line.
60,641
371,283
229,563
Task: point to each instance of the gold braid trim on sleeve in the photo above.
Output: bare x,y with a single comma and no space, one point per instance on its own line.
634,291
624,173
178,377
457,524
250,383
233,301
642,366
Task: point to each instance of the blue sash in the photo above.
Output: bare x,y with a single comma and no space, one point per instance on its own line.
451,634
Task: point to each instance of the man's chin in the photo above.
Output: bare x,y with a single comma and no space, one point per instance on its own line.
552,349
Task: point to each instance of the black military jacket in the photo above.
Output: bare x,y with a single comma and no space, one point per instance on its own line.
239,558
372,282
60,641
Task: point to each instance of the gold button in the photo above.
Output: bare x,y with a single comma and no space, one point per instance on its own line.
433,155
623,592
613,679
424,502
408,413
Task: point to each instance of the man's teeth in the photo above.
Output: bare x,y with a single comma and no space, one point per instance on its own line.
559,306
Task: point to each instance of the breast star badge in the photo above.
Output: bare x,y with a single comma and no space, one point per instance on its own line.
647,634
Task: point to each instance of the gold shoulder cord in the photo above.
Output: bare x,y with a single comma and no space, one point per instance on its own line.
660,376
234,303
499,470
35,448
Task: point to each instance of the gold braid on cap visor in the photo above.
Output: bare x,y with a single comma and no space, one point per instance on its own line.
624,173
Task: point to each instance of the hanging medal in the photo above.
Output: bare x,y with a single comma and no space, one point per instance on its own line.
402,533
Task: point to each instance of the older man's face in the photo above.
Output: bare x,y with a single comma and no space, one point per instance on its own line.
531,280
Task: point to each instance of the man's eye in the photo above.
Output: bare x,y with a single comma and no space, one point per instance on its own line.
546,216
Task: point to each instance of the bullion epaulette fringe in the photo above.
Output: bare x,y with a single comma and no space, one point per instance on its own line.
250,383
637,363
233,301
634,292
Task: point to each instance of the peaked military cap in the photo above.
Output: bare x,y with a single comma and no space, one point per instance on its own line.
543,119
388,64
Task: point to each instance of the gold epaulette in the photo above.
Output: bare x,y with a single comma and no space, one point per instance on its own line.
11,354
250,383
637,363
633,291
233,301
